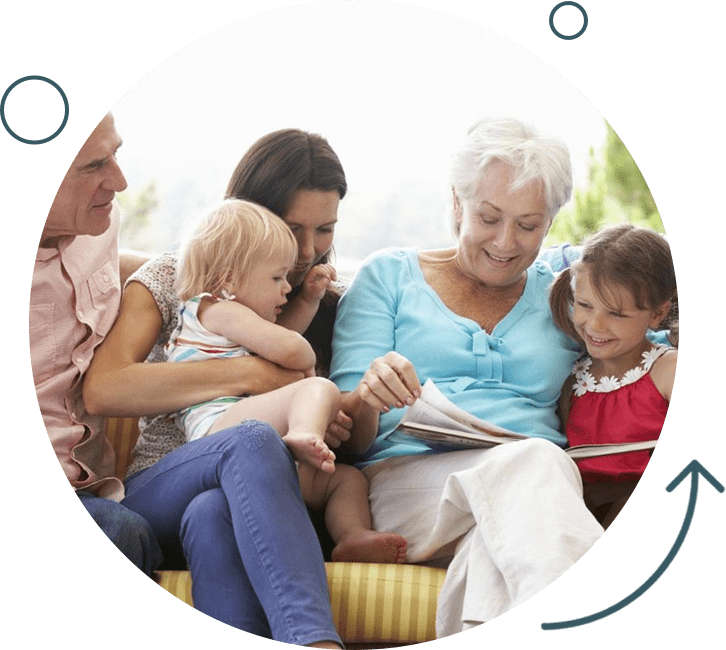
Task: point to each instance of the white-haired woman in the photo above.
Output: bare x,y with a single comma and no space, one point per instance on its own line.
474,319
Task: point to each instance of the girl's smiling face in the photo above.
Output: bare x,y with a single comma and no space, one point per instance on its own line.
612,326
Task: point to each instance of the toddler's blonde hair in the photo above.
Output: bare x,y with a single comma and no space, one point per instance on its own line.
224,244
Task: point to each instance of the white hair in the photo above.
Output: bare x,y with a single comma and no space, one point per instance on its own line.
531,156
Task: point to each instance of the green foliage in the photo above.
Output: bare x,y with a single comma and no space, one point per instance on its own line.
135,228
616,193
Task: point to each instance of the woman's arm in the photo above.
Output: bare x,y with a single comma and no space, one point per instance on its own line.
129,262
373,377
120,383
270,341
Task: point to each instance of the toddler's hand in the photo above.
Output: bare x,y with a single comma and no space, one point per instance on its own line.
316,281
338,430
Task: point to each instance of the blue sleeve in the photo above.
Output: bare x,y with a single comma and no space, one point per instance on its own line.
365,322
560,256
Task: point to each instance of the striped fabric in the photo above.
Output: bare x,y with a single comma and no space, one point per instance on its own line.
384,603
122,434
372,603
177,583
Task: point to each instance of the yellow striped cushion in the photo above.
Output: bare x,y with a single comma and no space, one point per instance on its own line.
371,603
122,433
177,583
384,603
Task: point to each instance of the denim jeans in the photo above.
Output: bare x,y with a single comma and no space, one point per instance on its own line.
130,532
231,505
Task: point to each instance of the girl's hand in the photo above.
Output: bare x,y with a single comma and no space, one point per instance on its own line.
316,282
338,430
390,381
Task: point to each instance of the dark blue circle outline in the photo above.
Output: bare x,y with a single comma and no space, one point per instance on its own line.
552,21
36,78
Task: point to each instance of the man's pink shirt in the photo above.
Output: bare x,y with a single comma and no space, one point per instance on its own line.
74,301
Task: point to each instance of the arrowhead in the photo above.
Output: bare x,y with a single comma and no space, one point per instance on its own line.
695,468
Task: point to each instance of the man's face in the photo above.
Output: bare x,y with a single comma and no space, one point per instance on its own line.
83,203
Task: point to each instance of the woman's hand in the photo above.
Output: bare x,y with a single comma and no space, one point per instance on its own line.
390,381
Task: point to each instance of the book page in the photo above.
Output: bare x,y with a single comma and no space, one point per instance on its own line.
434,404
434,411
443,438
423,412
591,451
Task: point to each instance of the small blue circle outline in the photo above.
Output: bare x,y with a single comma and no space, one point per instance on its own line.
34,78
552,20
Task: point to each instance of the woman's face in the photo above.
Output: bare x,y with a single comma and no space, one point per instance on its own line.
500,231
312,216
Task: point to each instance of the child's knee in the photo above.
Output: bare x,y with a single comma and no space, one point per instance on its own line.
324,387
351,475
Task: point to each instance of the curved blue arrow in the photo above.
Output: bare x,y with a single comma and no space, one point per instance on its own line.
694,468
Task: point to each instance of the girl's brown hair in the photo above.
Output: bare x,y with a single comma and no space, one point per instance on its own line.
635,258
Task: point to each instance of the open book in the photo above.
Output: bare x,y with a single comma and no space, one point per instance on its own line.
438,422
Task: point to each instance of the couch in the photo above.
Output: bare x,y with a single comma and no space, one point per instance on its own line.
374,605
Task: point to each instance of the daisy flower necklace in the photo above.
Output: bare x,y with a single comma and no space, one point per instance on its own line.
585,382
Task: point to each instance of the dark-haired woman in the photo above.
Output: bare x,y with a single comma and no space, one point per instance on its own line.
212,504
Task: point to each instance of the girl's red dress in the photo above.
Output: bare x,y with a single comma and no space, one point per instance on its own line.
616,410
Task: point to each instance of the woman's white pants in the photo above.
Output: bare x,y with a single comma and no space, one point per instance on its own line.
511,519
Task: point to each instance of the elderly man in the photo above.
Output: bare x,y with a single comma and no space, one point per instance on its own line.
73,303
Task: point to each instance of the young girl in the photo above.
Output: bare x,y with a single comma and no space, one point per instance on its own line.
232,283
623,285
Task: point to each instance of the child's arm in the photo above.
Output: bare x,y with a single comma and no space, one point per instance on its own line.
268,340
300,311
663,373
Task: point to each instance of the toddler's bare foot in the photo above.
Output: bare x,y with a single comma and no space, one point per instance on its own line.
371,546
309,449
